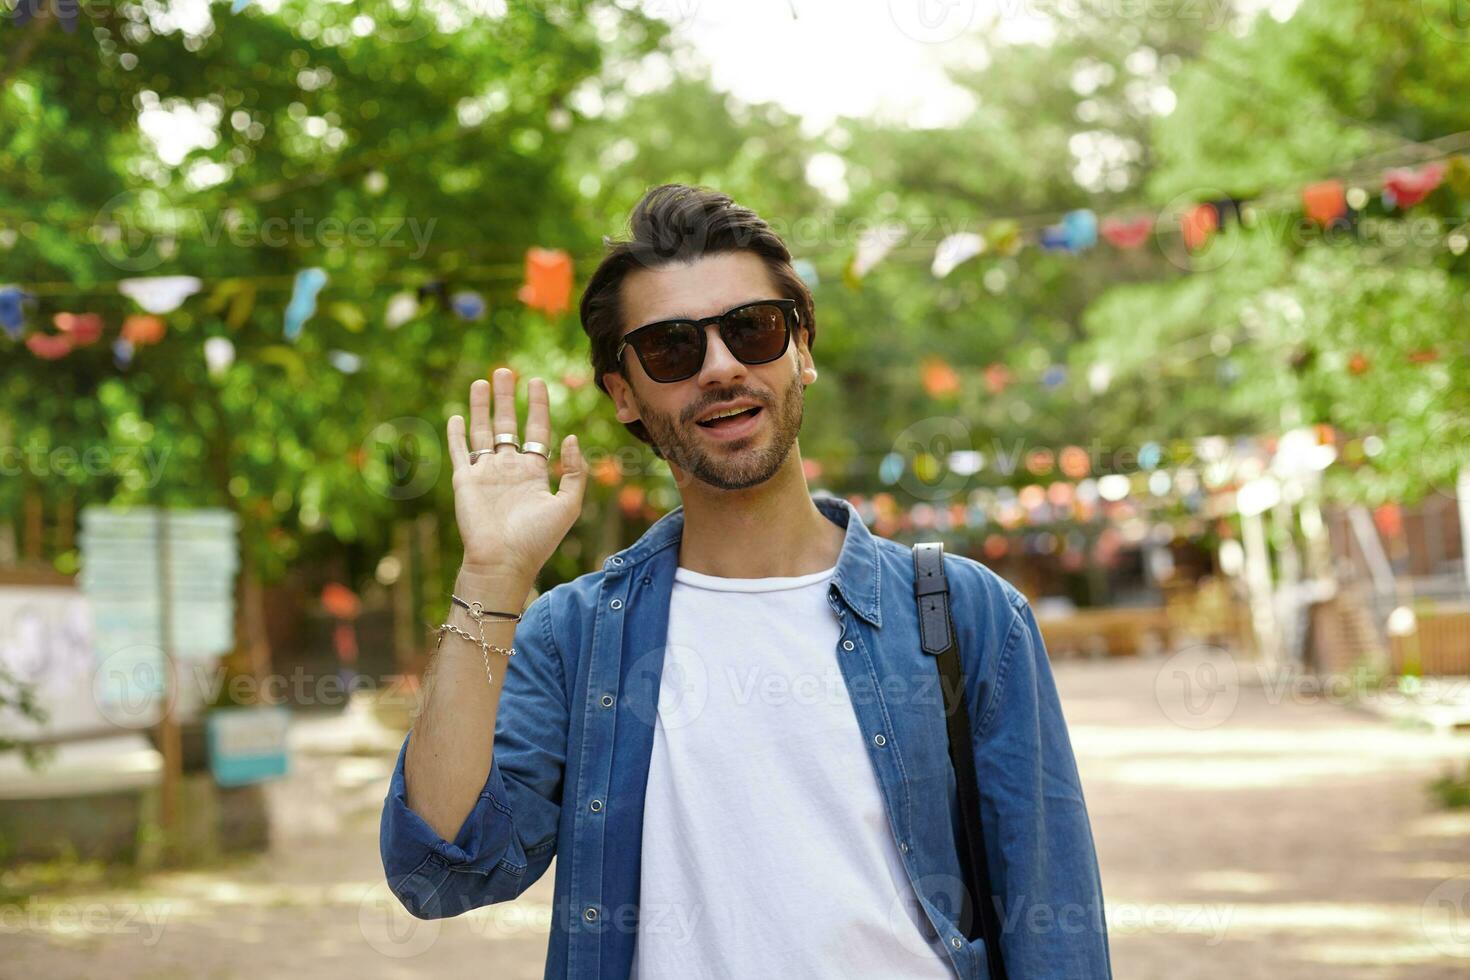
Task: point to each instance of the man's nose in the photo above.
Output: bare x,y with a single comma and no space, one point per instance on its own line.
720,366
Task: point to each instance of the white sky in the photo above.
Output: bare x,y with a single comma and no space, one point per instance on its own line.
876,58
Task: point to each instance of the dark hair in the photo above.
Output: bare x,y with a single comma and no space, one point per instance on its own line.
675,224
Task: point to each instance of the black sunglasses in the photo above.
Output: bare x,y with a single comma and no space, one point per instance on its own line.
756,333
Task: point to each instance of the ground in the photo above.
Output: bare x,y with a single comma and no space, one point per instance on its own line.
1246,828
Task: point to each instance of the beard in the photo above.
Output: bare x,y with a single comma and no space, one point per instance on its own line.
730,466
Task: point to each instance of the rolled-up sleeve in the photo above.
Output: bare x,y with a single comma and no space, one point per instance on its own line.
509,838
1043,863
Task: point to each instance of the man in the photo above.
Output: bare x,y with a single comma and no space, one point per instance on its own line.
729,735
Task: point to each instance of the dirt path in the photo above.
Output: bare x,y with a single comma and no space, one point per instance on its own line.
1245,831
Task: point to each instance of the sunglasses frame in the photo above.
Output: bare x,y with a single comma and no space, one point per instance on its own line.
791,315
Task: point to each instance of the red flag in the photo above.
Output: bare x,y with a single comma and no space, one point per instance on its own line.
49,346
1128,233
1409,187
81,328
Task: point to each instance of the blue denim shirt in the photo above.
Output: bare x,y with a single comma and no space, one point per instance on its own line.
574,736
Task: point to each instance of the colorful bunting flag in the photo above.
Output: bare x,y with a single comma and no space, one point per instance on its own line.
66,11
1004,236
1127,233
1081,229
402,307
345,361
80,328
308,284
160,294
142,329
219,354
806,270
12,309
954,250
1053,238
548,285
873,245
49,346
1404,187
468,305
939,379
1324,202
1198,225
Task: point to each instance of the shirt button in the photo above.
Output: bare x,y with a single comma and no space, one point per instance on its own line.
591,916
595,806
847,644
616,603
607,700
879,740
955,942
903,846
617,561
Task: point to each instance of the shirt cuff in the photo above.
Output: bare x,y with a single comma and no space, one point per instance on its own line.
407,842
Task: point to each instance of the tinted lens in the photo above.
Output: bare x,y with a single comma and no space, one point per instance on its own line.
672,352
756,333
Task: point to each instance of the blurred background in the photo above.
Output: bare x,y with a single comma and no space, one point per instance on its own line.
1157,309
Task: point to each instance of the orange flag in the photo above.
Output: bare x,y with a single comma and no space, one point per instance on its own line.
939,378
1198,224
548,285
143,328
1324,202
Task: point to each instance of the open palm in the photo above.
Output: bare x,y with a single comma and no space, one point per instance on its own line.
509,520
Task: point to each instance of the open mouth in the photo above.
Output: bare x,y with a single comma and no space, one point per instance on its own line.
736,421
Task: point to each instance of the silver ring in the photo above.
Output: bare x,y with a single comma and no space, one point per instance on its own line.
477,453
506,438
539,448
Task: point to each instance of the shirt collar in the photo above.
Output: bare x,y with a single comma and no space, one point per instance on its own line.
857,576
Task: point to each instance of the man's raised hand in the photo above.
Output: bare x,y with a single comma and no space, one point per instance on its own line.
509,520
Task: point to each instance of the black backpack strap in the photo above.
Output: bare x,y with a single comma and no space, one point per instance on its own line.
937,637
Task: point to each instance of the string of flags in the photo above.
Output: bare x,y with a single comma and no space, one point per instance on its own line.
1327,203
546,287
547,274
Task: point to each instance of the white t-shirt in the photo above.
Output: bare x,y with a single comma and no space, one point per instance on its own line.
767,851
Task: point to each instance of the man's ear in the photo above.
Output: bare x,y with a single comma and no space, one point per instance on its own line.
622,396
808,367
